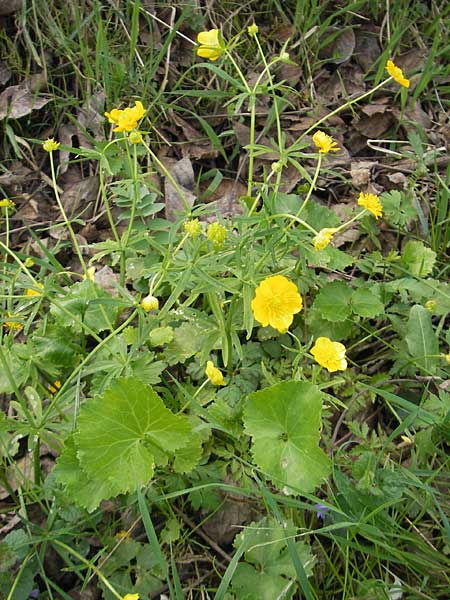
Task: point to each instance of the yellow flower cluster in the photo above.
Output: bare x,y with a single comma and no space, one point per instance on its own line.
5,203
50,145
31,292
397,74
324,142
126,119
276,302
372,203
193,227
13,325
330,355
210,44
216,234
214,374
131,597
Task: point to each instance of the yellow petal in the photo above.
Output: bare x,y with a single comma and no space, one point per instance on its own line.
209,38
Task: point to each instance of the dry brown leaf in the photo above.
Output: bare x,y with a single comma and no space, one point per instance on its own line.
79,193
5,73
183,173
8,7
108,280
91,116
226,197
367,49
374,126
360,172
341,48
20,100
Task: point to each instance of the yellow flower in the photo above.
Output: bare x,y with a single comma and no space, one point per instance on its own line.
30,292
397,74
53,388
13,325
324,237
193,227
5,203
211,45
28,262
214,374
131,597
90,274
252,30
150,303
330,355
50,145
126,119
275,303
372,203
216,234
325,143
447,357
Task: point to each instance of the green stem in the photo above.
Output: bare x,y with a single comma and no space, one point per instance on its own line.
108,207
126,237
19,262
169,176
251,156
63,213
89,565
340,108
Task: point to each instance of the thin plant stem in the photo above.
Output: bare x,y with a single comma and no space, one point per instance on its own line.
63,213
89,565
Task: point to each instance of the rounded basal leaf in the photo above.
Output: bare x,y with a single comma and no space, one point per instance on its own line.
366,304
124,433
284,422
333,301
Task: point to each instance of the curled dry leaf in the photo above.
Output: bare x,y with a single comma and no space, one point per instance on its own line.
340,47
20,100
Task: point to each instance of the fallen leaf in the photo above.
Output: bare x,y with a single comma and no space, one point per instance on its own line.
360,172
374,126
8,7
226,196
20,100
5,73
183,173
341,46
79,193
367,49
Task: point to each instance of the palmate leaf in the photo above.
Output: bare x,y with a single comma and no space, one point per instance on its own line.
121,437
124,433
284,422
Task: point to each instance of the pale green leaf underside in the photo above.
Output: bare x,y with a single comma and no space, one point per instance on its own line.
284,421
421,339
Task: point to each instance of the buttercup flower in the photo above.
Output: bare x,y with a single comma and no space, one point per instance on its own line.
211,45
50,145
28,262
12,325
214,374
372,203
216,234
131,597
30,292
397,74
324,237
126,119
53,388
252,30
193,227
6,203
150,303
330,355
276,302
324,142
